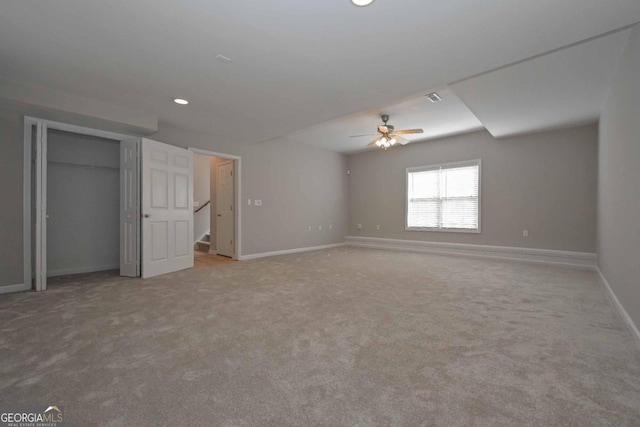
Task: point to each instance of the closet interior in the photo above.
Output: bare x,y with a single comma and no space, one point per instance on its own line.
83,210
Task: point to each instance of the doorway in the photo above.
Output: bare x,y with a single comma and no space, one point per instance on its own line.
216,195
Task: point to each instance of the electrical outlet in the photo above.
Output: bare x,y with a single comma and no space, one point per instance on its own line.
525,233
257,202
359,227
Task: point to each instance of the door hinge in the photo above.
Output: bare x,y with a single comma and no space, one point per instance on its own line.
231,173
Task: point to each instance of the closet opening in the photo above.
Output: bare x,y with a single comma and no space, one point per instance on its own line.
83,204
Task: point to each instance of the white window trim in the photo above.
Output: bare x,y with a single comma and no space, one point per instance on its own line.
444,165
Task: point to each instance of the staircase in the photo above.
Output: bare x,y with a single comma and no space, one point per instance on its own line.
203,244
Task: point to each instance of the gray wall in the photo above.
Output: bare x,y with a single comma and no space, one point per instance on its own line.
544,183
619,181
201,194
11,132
300,186
83,204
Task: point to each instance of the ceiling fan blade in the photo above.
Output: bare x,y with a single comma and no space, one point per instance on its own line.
400,140
408,131
372,143
366,134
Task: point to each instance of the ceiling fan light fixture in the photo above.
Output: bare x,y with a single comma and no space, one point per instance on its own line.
361,3
392,141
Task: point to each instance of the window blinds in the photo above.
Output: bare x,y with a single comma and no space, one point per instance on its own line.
444,197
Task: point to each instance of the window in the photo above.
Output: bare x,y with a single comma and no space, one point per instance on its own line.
444,197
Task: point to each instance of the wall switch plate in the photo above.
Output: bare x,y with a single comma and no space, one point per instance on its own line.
378,227
330,226
257,202
359,227
525,233
309,228
249,202
319,227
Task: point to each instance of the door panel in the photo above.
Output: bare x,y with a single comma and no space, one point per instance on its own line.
167,199
129,208
225,209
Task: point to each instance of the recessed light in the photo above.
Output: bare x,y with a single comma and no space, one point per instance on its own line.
181,101
361,3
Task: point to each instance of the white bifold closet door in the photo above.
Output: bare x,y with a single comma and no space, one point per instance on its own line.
167,208
130,208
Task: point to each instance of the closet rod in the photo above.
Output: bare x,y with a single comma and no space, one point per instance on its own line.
77,165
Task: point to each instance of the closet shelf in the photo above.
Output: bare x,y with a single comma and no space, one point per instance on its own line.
78,165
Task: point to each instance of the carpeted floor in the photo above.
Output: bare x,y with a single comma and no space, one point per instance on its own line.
342,337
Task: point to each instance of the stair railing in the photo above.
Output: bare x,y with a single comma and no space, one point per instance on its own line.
202,207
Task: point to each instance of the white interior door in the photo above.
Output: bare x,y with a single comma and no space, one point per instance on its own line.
224,209
167,208
130,208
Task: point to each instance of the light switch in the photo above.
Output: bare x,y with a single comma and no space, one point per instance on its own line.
257,202
249,202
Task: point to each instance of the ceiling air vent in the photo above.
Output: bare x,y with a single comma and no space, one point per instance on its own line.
433,97
223,58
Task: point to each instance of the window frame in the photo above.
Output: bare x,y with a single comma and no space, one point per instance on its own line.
451,165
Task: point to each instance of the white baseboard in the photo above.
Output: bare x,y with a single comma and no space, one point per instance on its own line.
14,288
289,251
64,272
545,256
620,308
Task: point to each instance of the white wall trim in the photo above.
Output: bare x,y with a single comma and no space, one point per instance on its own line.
80,270
238,193
545,256
620,308
290,251
5,289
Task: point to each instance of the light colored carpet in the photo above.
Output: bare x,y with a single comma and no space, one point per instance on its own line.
343,337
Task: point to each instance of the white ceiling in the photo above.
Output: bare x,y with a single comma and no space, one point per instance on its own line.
554,90
447,117
295,63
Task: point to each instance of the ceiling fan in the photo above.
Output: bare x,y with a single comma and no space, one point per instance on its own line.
388,136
